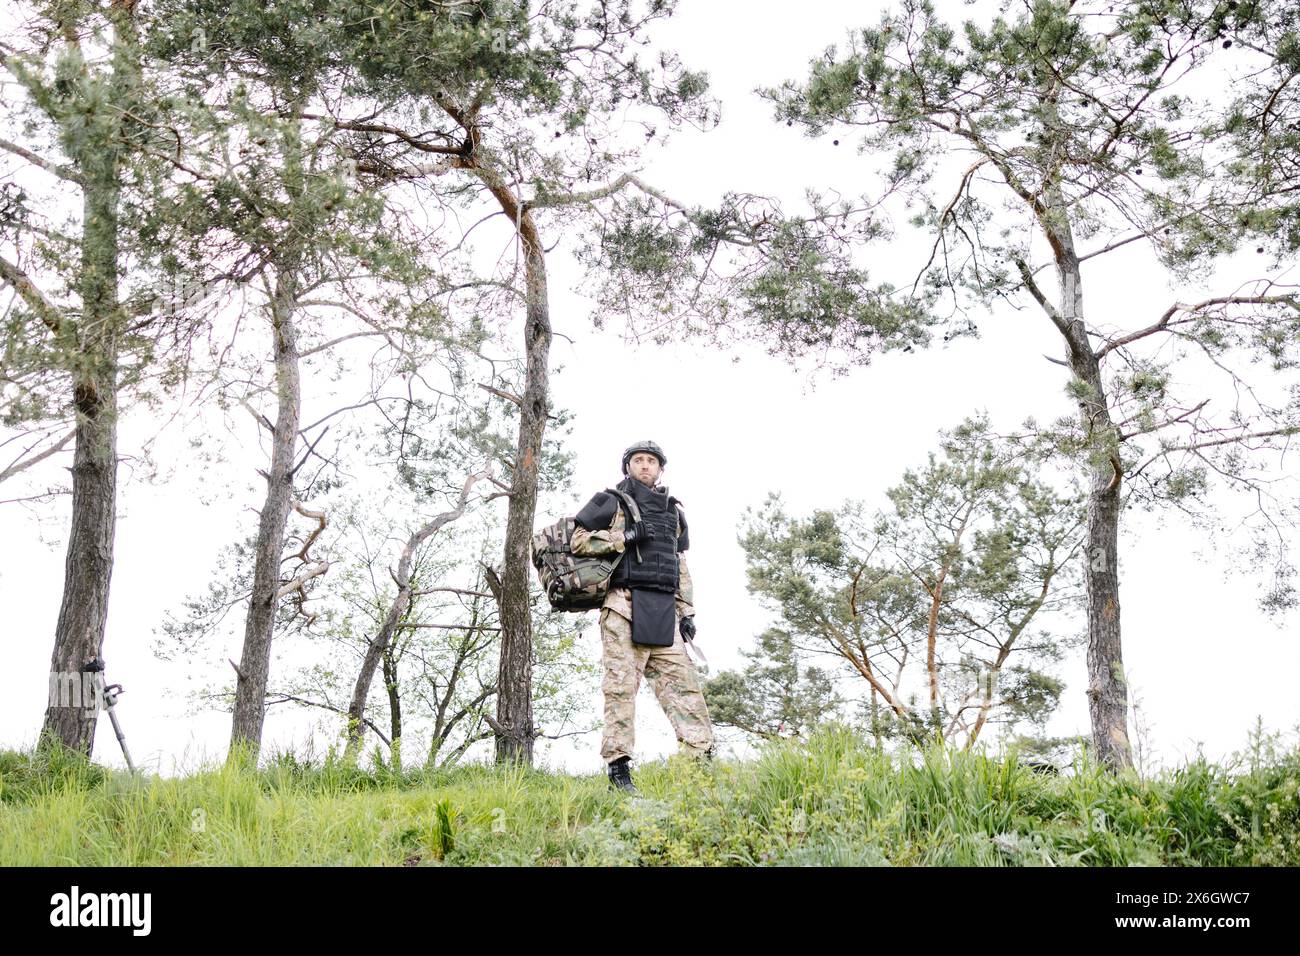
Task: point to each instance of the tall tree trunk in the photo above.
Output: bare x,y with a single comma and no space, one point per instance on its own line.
514,720
83,616
513,725
1107,688
88,568
255,662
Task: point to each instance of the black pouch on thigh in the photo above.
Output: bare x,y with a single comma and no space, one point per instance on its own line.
654,617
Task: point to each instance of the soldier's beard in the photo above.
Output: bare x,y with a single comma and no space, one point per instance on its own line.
648,482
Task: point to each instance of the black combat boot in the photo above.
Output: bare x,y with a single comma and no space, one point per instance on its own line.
620,777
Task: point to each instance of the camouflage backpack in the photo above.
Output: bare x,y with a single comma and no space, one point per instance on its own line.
575,582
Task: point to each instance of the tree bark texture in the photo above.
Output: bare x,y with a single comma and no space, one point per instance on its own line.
88,566
255,661
1107,688
515,731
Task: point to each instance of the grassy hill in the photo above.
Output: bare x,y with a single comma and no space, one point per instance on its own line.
832,800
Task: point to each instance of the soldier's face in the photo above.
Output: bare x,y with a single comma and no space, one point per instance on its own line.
644,467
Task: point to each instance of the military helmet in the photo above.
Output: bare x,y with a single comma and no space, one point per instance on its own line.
646,446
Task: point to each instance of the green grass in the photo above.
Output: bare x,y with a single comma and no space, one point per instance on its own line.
831,801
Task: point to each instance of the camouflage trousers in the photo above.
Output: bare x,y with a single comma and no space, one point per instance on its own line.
673,677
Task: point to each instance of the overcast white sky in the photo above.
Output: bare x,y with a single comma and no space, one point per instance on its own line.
1204,661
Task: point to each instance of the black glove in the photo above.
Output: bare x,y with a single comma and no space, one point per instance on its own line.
688,628
640,531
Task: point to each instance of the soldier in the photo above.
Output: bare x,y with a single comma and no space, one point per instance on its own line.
649,613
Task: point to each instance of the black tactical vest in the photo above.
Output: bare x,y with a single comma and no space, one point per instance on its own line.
656,569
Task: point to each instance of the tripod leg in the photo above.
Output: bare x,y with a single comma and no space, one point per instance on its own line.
121,738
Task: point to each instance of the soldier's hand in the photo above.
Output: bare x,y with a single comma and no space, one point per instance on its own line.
640,531
688,628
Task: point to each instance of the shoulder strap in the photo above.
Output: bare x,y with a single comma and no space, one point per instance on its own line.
628,501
